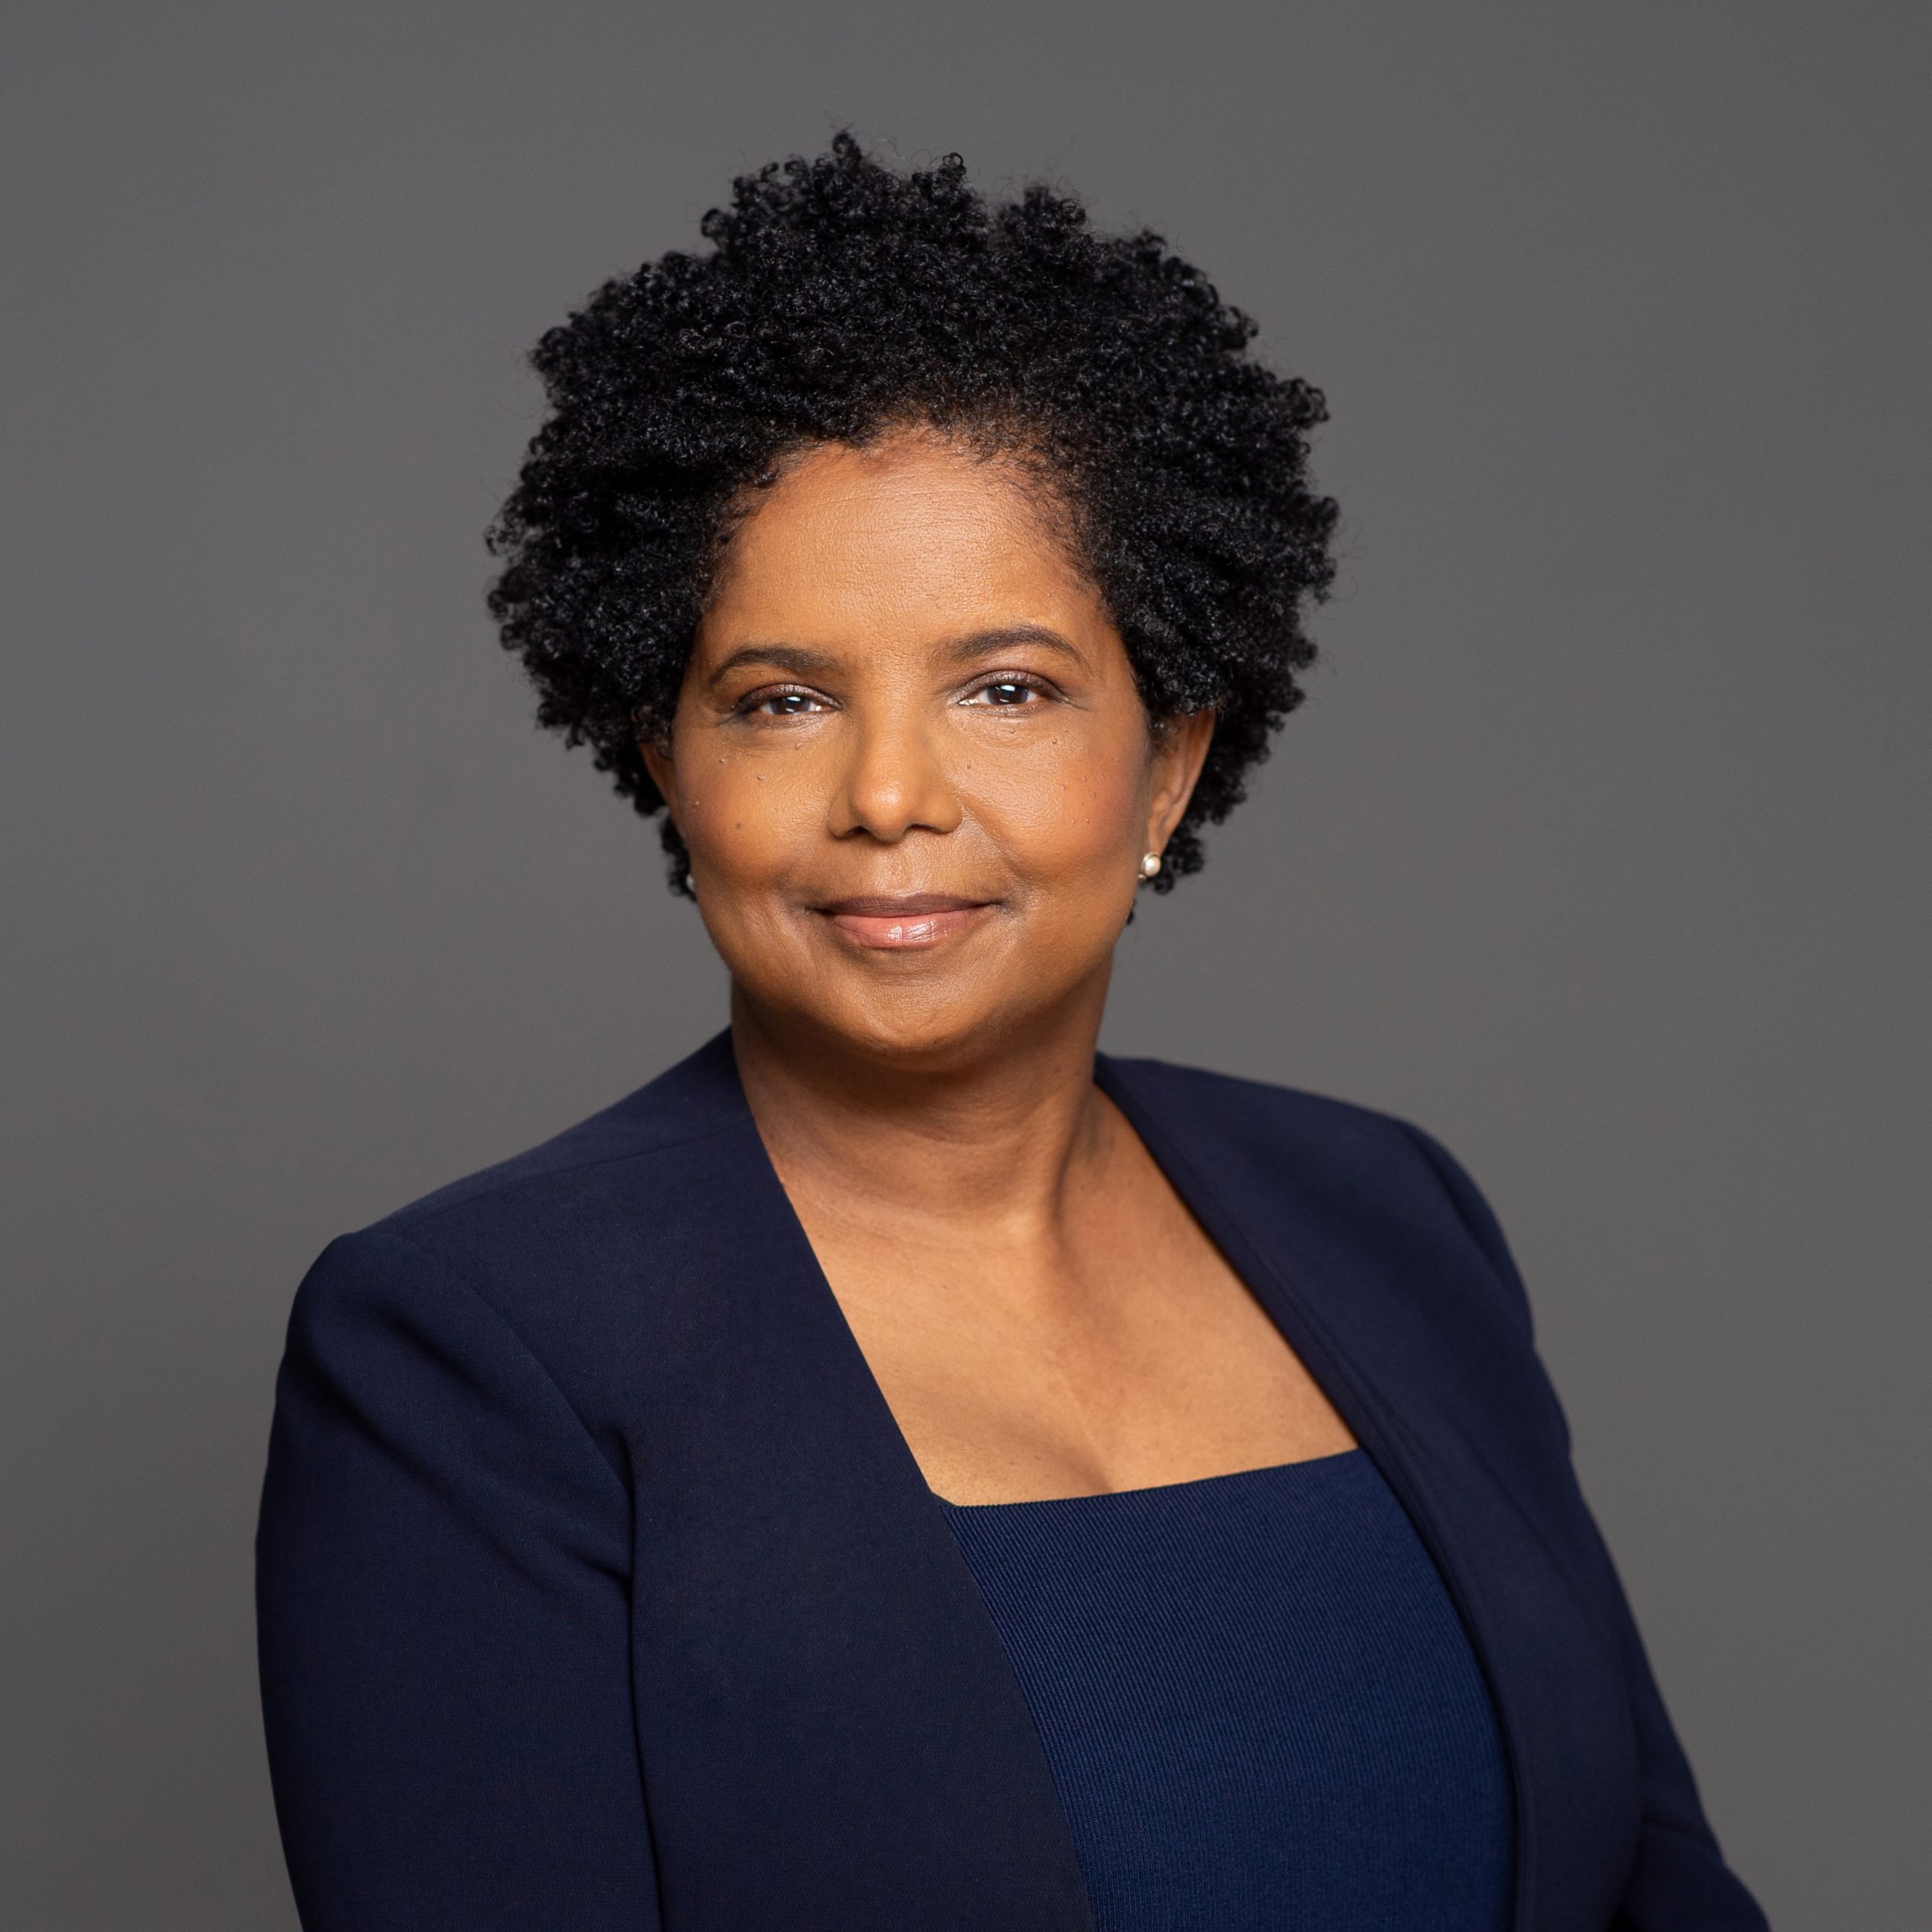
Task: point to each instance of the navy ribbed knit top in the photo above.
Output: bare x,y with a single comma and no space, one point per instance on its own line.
1256,1701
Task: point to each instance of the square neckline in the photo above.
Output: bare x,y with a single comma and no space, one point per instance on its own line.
1186,1483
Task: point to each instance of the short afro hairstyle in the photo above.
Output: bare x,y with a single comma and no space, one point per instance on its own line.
842,301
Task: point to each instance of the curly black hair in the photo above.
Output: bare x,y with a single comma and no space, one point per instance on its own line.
842,300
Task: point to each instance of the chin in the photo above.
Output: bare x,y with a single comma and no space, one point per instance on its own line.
935,1039
895,1027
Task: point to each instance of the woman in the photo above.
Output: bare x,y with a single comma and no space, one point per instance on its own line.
898,1469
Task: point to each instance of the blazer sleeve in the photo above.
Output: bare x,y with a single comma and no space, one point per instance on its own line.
443,1565
1678,1882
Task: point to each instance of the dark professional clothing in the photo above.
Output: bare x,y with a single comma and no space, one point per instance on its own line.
597,1588
1259,1710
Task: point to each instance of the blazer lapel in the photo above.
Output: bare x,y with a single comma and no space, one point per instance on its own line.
830,1733
1349,1305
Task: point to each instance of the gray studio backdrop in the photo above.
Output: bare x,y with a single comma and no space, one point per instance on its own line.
1600,850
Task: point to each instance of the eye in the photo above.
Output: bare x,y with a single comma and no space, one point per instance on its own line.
780,704
1007,694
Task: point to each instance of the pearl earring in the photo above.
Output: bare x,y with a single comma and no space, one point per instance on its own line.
1150,865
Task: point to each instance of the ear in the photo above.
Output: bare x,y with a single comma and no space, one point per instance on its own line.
1180,749
664,769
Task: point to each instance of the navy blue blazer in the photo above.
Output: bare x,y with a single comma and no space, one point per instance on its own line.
597,1588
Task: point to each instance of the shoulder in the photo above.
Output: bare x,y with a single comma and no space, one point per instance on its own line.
1354,1176
1257,1110
1329,1143
550,1255
694,1101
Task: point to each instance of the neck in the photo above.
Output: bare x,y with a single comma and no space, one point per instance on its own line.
995,1134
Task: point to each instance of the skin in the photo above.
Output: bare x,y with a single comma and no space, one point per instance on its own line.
916,782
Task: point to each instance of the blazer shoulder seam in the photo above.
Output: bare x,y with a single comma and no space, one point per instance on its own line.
1501,1264
448,1269
1275,1090
432,1207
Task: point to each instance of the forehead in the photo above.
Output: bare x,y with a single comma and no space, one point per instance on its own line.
913,537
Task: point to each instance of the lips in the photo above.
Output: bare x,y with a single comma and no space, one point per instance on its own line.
906,921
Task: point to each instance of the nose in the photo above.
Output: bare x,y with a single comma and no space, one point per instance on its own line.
894,782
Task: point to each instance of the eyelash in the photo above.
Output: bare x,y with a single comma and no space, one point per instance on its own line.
1020,681
752,706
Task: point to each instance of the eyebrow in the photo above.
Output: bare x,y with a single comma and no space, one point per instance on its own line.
802,661
980,643
793,657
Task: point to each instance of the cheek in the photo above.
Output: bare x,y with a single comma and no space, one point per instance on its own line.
749,818
1076,803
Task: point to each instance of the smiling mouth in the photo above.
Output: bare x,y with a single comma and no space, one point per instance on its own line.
905,923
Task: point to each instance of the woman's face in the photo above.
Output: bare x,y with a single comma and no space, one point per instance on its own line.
908,760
